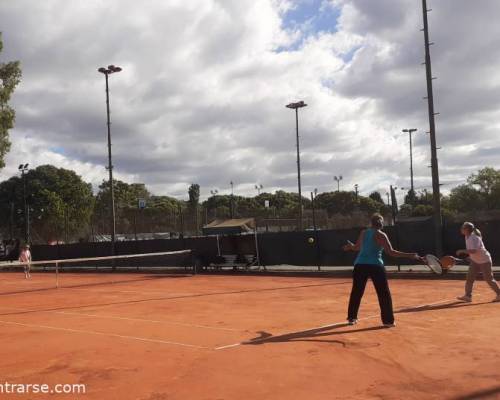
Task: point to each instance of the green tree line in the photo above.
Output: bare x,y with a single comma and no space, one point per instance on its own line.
60,201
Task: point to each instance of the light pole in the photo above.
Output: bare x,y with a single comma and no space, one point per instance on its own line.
356,190
296,106
232,199
410,133
214,193
259,188
107,71
338,179
315,228
436,195
23,168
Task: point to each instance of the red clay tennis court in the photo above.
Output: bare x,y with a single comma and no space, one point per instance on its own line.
211,337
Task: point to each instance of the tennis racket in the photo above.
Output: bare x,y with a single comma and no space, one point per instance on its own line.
433,263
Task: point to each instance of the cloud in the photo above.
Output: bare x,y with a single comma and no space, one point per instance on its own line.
204,84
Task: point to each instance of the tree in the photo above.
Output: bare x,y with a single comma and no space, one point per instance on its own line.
10,76
337,202
126,196
411,198
194,195
465,198
59,201
369,205
376,196
422,210
488,182
486,178
126,202
164,203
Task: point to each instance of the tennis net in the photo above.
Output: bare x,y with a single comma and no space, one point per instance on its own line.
76,272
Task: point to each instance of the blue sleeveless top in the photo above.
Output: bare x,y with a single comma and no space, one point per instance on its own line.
371,252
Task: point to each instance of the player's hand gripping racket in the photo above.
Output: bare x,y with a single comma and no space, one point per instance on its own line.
349,246
448,262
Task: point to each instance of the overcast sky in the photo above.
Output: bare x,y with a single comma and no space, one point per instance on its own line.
204,85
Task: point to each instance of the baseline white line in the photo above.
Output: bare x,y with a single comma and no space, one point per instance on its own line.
141,339
335,324
25,310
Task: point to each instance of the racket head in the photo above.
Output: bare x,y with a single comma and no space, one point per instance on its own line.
448,262
433,263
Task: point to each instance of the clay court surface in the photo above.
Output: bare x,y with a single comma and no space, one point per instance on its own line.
246,337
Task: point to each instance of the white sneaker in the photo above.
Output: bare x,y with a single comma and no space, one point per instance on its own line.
352,321
393,325
465,298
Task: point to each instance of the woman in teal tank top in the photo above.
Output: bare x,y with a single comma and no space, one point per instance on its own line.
370,264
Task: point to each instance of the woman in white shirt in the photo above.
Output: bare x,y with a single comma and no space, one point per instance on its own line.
480,261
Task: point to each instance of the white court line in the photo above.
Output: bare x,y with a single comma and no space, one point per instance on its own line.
111,284
141,339
26,310
159,341
333,325
111,292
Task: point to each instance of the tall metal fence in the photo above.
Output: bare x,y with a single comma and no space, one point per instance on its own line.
291,248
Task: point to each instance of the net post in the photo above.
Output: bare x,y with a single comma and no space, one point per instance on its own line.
57,275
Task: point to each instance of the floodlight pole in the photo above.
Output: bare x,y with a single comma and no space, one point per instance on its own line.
296,106
338,179
24,168
110,170
231,211
436,196
410,132
106,71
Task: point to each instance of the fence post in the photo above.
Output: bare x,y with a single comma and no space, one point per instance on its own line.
257,246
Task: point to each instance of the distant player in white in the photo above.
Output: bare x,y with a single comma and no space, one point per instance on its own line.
25,258
480,261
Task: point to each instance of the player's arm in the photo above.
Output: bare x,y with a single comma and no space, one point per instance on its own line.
385,243
355,247
475,245
466,252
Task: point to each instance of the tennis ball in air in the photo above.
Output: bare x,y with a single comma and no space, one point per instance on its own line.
310,240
